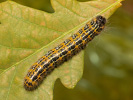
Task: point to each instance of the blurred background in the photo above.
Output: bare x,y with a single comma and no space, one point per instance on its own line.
108,70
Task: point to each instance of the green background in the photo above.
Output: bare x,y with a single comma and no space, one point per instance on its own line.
108,70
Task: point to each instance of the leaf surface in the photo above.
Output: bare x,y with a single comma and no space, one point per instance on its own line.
26,34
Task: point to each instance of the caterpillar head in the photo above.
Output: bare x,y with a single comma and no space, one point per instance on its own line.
100,21
98,24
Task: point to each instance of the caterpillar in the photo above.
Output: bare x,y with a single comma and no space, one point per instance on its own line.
63,52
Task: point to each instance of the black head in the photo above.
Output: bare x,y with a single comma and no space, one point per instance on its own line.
101,21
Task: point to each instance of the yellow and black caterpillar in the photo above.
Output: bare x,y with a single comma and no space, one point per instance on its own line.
63,52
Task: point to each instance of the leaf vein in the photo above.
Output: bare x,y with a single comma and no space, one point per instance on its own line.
71,10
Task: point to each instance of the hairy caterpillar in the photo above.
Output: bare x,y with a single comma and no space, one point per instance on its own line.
67,49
